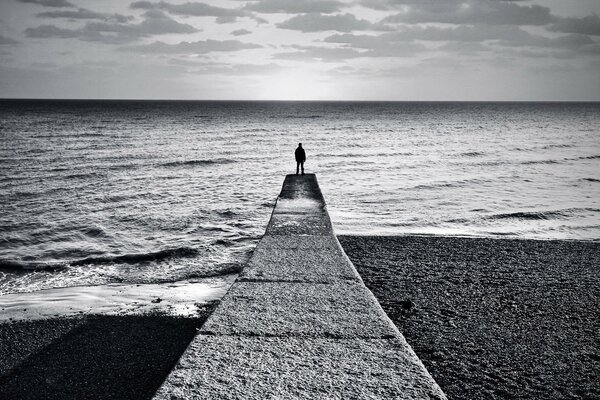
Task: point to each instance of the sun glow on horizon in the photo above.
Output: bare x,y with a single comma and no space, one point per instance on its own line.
294,85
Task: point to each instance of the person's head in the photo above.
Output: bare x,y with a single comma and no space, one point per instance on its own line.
299,144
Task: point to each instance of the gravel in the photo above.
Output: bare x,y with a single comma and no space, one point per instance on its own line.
492,318
93,357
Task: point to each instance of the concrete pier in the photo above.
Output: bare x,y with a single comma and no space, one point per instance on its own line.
299,323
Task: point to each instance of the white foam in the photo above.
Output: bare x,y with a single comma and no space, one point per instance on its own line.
178,298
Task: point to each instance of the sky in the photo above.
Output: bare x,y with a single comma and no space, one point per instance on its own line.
411,50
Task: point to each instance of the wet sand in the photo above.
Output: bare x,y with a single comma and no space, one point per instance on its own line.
492,318
92,357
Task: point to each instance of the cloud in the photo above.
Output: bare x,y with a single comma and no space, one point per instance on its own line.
319,22
224,15
5,40
226,20
43,65
376,48
199,47
240,69
295,6
154,23
240,32
472,12
589,25
470,40
82,13
465,47
412,33
503,35
318,53
386,5
568,42
51,31
251,69
187,63
49,3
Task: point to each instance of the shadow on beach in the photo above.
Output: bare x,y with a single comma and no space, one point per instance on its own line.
93,357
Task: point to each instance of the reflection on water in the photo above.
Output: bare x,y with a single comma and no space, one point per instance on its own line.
145,192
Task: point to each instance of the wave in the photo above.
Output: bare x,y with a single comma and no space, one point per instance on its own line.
224,242
191,163
94,232
458,221
451,184
498,233
527,215
542,215
227,213
540,162
594,157
472,154
361,155
557,146
82,175
39,151
250,130
179,252
16,266
591,179
490,163
297,116
224,269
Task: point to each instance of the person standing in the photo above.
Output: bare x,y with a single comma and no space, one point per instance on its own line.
300,158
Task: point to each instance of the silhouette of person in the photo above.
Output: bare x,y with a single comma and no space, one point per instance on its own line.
300,158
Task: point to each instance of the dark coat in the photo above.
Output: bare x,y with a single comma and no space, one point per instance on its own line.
300,155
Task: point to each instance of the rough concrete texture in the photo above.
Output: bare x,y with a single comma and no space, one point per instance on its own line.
314,243
298,265
299,322
344,310
234,367
298,224
301,187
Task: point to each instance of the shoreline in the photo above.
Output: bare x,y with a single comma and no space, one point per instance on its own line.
178,298
465,236
493,318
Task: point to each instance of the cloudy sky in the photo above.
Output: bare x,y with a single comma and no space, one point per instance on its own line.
301,49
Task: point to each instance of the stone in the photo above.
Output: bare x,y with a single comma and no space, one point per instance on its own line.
240,367
299,323
344,310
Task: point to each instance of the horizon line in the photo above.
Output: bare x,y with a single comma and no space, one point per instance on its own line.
295,101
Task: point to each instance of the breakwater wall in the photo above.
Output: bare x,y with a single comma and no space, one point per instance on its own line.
299,323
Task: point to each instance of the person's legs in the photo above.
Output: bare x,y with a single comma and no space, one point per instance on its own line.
297,167
302,165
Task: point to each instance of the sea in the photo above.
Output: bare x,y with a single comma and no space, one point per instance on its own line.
102,192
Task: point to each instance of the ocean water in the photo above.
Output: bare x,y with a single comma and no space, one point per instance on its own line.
106,192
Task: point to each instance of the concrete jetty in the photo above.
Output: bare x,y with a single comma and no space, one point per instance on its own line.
299,322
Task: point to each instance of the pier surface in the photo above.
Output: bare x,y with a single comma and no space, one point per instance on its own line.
299,323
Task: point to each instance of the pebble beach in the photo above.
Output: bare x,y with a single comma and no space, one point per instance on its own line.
489,318
94,356
492,318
